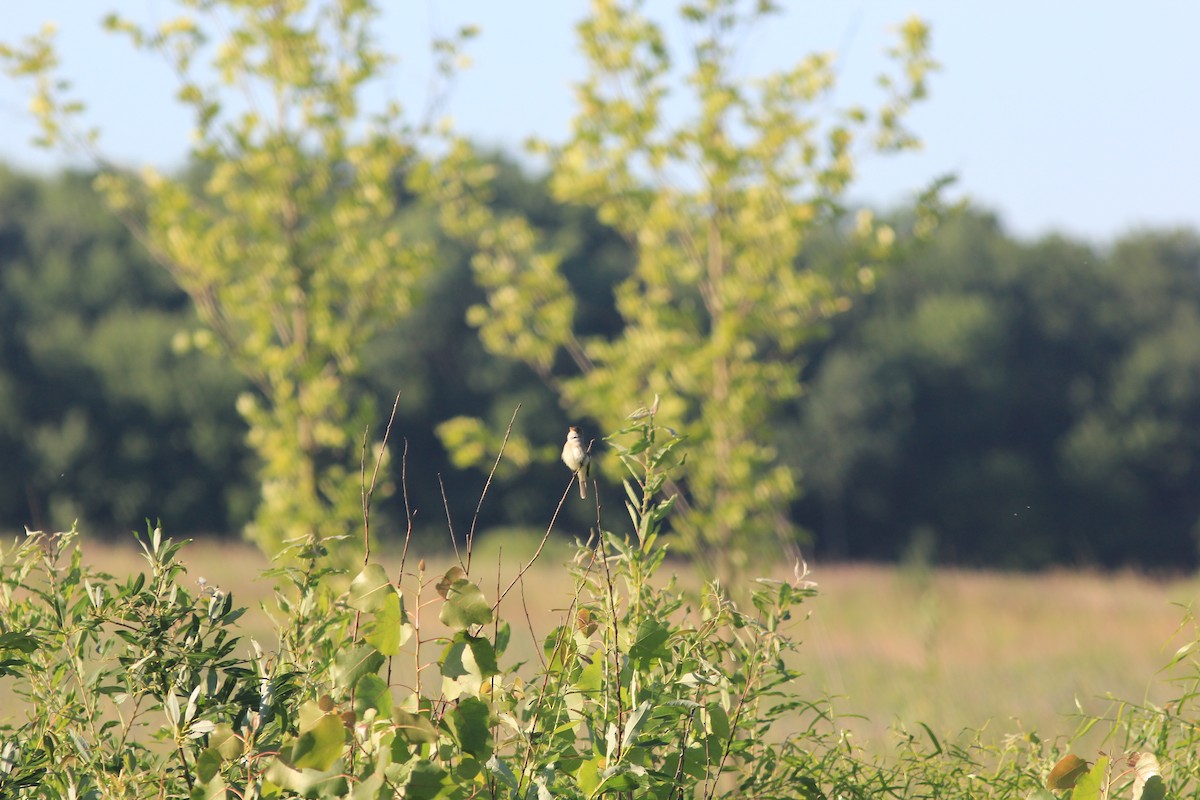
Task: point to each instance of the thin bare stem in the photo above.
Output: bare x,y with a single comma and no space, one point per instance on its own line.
450,522
483,494
541,544
365,496
368,491
409,514
616,641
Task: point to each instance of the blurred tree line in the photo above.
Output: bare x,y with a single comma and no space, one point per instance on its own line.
992,401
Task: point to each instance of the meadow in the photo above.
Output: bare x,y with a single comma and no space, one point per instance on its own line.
895,646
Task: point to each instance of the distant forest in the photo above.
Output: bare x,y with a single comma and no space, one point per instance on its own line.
992,402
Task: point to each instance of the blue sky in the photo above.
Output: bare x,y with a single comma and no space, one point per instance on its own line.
1061,116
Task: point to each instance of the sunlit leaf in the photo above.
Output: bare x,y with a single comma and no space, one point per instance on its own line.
465,604
370,589
321,745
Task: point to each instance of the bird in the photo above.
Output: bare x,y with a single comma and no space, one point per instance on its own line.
577,459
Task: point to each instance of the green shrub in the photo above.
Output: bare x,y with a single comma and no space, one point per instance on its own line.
138,688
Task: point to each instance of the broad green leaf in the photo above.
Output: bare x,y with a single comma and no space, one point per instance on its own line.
588,776
415,728
225,741
623,777
211,789
208,764
370,589
465,605
649,644
455,573
285,776
503,636
370,787
370,692
388,628
1090,785
428,781
591,677
1153,789
466,662
470,722
321,745
352,664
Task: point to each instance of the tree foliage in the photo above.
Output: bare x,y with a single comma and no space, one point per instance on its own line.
286,235
143,686
102,419
717,210
1021,404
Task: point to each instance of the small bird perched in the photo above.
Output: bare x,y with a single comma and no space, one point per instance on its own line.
577,459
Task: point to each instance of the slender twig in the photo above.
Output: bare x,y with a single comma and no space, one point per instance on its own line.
364,495
742,702
616,644
187,771
369,492
450,523
409,514
564,633
483,494
529,624
541,544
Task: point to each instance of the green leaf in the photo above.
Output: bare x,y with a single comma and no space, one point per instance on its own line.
212,789
591,677
285,776
372,691
503,636
1153,789
321,745
624,777
208,764
502,771
465,605
633,725
370,589
427,781
415,728
19,641
467,661
389,628
225,741
352,664
1090,785
470,721
649,643
588,776
370,787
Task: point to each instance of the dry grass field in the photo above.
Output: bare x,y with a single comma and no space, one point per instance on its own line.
953,649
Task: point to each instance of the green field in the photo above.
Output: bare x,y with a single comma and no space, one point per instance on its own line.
953,649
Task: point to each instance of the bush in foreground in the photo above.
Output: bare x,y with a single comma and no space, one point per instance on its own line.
142,688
